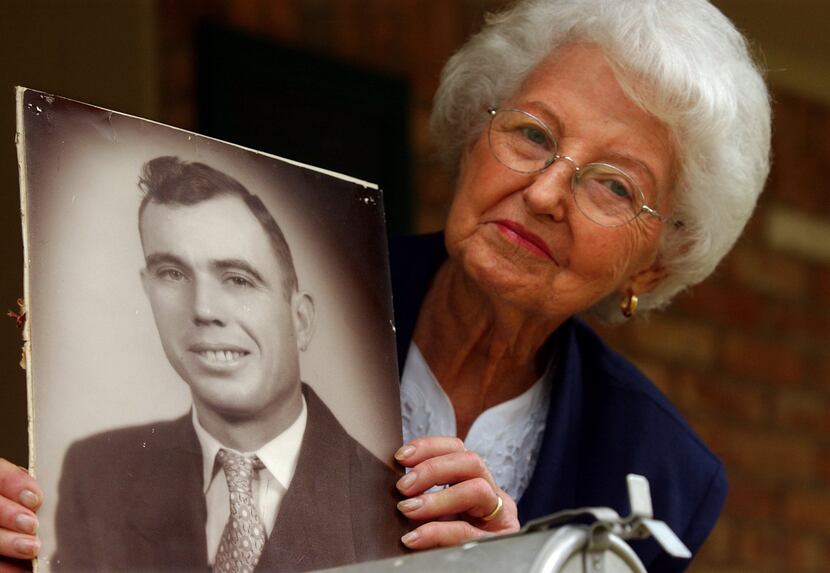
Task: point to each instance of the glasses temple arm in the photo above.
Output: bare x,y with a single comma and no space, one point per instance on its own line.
678,224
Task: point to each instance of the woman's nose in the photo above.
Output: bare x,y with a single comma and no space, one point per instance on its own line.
550,193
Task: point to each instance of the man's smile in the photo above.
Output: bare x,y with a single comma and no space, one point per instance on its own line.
219,356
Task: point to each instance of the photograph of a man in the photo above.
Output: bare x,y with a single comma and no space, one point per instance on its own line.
259,475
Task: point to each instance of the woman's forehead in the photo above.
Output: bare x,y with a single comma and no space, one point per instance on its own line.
576,92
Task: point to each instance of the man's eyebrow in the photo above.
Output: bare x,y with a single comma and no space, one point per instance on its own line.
155,259
238,264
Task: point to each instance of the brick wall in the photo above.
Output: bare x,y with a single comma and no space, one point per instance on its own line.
744,355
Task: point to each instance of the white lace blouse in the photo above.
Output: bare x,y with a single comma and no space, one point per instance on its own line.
506,436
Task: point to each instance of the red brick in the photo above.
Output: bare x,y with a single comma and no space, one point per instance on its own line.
432,209
676,340
388,44
720,302
282,20
770,273
808,510
823,463
805,323
801,151
750,500
822,290
704,395
180,74
762,359
754,229
432,32
759,548
806,553
181,115
822,373
763,456
806,411
348,33
439,186
249,14
368,32
704,567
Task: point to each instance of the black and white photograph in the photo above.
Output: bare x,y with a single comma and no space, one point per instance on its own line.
212,368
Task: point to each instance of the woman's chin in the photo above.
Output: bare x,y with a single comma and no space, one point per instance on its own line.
506,282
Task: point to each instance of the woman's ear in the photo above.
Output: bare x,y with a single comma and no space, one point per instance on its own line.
646,280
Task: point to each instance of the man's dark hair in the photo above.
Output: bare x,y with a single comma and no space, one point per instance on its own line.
168,180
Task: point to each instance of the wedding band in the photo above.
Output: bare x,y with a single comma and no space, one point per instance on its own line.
495,513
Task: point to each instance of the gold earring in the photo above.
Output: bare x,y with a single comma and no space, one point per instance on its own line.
628,306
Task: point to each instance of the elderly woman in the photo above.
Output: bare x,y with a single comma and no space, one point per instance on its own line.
608,154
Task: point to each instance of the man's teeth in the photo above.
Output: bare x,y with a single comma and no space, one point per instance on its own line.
220,355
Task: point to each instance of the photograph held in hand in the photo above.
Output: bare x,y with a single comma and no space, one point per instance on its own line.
259,473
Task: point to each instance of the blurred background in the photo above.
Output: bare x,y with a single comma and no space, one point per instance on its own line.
347,85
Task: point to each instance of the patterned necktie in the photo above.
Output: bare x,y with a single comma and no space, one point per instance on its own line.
244,535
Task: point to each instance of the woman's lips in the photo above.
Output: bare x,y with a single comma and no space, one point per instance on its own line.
516,233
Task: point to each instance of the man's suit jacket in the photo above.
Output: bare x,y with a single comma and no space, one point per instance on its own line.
132,500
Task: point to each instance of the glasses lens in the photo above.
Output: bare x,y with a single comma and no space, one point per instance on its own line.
606,195
521,142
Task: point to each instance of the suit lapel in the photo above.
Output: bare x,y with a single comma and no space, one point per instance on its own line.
313,528
168,513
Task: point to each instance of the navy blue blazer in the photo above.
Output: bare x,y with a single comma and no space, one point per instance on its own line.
606,420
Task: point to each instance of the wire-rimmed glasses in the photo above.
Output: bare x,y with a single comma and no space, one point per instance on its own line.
605,194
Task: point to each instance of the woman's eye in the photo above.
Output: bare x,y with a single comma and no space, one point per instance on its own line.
618,188
534,135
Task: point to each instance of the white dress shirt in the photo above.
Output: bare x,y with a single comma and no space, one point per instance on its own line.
279,456
507,436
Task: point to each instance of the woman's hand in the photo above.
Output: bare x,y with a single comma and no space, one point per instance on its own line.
20,497
471,507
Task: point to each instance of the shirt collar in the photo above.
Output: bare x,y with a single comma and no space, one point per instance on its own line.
279,456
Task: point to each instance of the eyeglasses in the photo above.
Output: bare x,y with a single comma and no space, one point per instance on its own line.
605,194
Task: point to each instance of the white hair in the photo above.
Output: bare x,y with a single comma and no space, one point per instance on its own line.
682,61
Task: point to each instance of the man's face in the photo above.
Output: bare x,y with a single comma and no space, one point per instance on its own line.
225,322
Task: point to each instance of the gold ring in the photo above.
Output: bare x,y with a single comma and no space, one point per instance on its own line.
495,513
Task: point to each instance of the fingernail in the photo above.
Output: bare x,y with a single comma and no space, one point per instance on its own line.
29,499
407,480
28,547
405,452
410,537
410,504
25,523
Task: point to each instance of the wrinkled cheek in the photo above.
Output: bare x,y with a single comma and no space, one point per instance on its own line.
624,259
457,219
633,254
